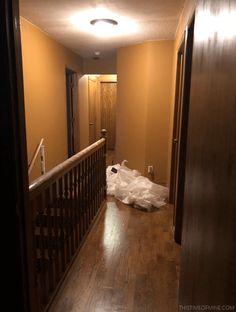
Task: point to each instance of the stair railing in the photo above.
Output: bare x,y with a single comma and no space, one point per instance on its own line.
64,202
39,150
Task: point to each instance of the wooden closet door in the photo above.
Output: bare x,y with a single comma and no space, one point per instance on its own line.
108,111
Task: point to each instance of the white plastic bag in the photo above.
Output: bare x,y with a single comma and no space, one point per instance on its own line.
131,188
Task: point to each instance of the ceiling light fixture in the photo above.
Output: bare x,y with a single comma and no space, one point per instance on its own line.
104,27
103,20
97,23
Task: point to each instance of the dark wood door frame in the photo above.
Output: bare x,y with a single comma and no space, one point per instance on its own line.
180,143
176,126
70,111
14,175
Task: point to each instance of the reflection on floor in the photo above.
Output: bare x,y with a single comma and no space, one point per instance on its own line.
129,262
110,157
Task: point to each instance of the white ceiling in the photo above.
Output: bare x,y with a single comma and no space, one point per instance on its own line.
156,20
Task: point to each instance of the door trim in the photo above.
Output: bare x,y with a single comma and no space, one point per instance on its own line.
179,183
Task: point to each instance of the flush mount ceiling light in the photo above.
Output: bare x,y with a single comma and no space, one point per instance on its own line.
103,23
104,27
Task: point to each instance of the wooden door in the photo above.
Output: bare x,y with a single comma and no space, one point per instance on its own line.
208,270
92,99
108,111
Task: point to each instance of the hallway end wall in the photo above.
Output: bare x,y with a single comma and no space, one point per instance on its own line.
106,66
158,109
143,106
132,83
83,111
44,63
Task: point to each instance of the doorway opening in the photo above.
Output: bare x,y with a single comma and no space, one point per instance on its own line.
98,96
72,111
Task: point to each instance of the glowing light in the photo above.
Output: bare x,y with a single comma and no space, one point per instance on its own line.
82,22
227,25
222,25
104,29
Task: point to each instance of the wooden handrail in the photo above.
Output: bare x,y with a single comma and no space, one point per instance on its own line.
31,165
41,183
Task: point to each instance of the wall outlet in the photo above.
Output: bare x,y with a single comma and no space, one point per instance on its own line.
150,169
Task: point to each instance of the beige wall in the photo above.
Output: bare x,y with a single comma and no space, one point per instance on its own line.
44,63
132,83
159,106
143,106
100,66
83,111
184,20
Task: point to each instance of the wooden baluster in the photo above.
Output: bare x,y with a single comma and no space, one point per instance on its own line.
76,206
49,238
83,197
92,182
86,192
100,177
104,171
104,151
80,212
72,214
62,234
97,180
40,204
89,190
67,217
55,214
34,206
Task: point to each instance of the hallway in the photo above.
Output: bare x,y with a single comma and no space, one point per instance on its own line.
129,262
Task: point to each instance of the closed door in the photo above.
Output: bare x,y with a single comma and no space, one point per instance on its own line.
108,111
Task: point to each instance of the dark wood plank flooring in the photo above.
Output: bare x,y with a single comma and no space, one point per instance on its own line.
129,262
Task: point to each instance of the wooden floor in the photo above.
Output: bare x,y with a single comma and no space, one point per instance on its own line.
129,262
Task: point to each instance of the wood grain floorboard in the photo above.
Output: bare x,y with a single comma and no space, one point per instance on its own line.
129,263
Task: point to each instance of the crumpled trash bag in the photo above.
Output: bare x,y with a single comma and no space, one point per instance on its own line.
133,189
